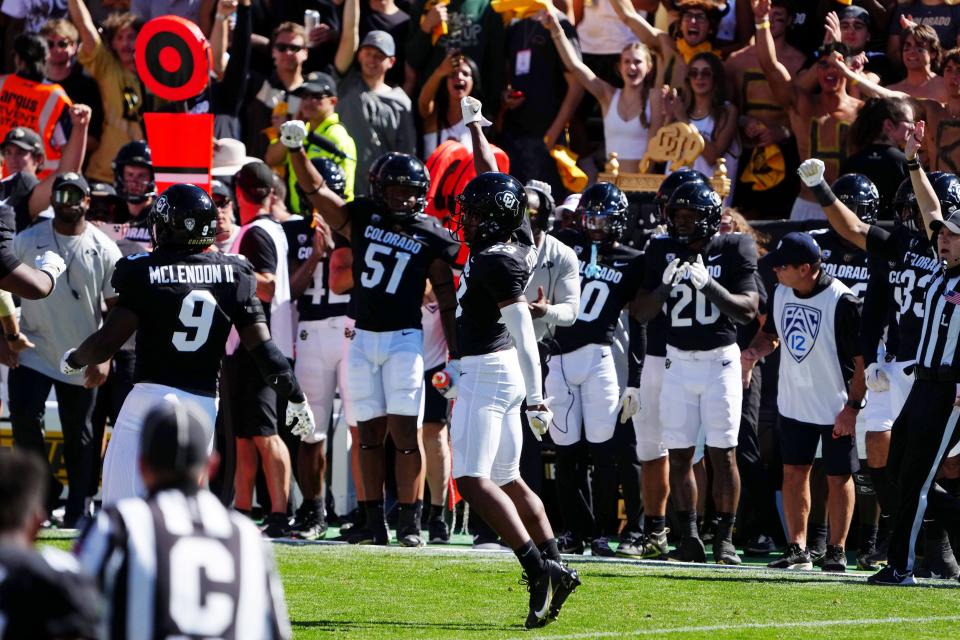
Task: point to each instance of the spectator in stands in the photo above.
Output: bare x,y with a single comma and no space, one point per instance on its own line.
148,9
110,60
63,39
943,17
603,35
439,102
29,16
920,53
385,15
627,111
231,51
227,228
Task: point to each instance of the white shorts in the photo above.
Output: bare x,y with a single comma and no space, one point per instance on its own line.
485,429
121,468
583,389
385,373
321,369
646,423
701,388
806,210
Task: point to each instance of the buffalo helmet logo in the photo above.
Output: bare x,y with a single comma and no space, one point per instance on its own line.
508,201
189,223
161,207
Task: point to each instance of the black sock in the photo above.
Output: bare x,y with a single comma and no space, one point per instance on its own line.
725,523
374,511
530,559
817,535
868,536
688,524
549,550
654,524
312,507
437,511
881,487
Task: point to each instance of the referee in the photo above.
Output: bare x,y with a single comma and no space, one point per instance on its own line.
926,428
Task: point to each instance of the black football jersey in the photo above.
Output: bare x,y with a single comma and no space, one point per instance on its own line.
317,302
492,275
848,263
186,305
693,322
913,265
390,265
604,291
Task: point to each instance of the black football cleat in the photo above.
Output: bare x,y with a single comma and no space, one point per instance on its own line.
567,542
278,526
793,558
761,545
835,560
655,547
541,591
309,526
600,548
890,577
439,532
690,550
568,584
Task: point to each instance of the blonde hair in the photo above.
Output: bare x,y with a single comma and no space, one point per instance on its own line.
644,51
60,27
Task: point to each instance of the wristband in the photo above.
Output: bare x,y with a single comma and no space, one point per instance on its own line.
823,194
12,337
762,25
856,406
914,164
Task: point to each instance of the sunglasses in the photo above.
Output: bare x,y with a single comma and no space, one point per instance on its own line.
288,48
220,201
700,73
68,196
59,44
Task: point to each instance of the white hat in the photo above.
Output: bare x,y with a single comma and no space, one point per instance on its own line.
228,156
570,203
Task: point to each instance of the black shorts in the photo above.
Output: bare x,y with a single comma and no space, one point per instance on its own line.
434,404
798,446
253,403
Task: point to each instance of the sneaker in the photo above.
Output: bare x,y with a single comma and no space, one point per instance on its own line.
367,535
793,558
760,545
655,546
708,530
569,581
439,532
311,526
568,543
942,566
278,526
835,559
690,550
725,553
356,518
631,546
817,555
411,538
541,593
890,577
600,547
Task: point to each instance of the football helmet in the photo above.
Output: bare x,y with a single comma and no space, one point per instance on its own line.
399,177
700,198
332,175
602,212
135,153
670,184
544,217
947,188
184,219
860,195
906,213
496,203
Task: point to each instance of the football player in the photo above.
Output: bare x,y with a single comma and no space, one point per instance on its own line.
583,380
706,280
134,182
320,367
181,301
395,248
495,377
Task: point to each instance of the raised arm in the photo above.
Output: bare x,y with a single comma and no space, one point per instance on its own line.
600,89
426,103
220,35
777,75
349,36
653,38
844,221
927,200
72,159
329,204
483,157
81,18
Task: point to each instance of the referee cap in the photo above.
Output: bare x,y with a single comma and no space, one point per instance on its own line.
175,437
794,248
951,222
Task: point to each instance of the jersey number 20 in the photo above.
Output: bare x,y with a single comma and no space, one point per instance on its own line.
703,310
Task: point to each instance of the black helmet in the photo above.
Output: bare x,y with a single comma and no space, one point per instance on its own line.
183,218
544,217
947,188
698,197
498,201
906,212
136,153
400,170
670,184
332,175
603,207
860,195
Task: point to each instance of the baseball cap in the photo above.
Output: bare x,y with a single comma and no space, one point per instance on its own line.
380,40
26,139
855,12
318,83
255,179
175,437
570,203
951,222
71,179
218,188
102,190
794,248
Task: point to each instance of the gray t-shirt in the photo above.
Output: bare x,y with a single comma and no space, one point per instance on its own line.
62,321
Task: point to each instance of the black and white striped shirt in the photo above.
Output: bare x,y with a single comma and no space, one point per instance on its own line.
940,337
183,566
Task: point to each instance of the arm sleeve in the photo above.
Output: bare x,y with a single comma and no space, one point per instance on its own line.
874,316
847,321
257,247
249,309
638,348
652,268
517,318
881,242
746,267
562,311
122,285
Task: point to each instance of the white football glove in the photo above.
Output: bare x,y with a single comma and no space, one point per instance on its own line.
300,419
877,378
65,367
52,264
451,373
629,403
811,172
540,420
470,108
292,134
672,274
699,276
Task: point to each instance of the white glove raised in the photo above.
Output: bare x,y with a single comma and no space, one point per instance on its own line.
877,378
66,368
699,276
445,381
470,108
300,419
672,274
811,172
52,264
292,134
540,419
629,403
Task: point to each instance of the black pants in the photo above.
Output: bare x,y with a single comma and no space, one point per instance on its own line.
758,504
28,394
923,434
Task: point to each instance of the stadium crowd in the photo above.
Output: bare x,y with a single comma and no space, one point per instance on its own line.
685,367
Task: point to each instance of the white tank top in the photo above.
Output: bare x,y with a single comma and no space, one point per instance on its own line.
627,138
600,31
458,132
811,386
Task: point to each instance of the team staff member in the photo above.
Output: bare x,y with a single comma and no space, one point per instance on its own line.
821,390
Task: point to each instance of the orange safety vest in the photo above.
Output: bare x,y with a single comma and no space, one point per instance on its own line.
34,105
